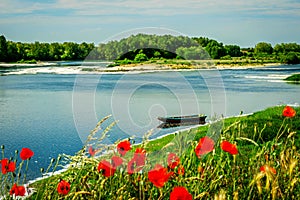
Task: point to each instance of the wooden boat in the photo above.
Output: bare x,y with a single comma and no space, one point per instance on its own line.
182,120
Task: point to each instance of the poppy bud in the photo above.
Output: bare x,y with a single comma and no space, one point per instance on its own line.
2,147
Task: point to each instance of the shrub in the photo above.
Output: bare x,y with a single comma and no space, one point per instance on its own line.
290,58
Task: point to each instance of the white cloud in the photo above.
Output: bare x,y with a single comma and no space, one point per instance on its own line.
173,7
81,18
155,7
22,7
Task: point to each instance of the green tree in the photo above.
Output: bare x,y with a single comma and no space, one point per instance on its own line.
233,50
215,49
12,52
286,47
202,41
263,48
83,50
55,51
192,53
157,54
3,48
22,48
140,56
70,51
290,58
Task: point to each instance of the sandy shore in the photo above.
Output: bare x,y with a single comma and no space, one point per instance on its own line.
153,67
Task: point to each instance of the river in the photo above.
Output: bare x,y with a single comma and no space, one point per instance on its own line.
52,113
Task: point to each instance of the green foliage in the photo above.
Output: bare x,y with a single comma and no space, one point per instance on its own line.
216,50
290,58
164,44
233,50
216,174
293,78
153,46
192,53
286,47
263,47
32,61
150,53
227,57
3,48
202,41
17,51
157,54
140,57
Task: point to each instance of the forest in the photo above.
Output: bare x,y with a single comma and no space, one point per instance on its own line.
142,47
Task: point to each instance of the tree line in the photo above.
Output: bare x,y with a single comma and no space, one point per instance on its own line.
142,47
17,51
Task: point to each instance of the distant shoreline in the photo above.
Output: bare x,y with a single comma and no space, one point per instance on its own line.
10,65
58,68
144,67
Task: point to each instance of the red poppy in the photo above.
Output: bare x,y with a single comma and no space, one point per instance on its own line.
7,166
267,168
92,151
228,147
180,193
116,161
288,112
106,168
17,190
159,175
123,147
131,166
173,160
134,166
140,157
205,145
63,187
26,153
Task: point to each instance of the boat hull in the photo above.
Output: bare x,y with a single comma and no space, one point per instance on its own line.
181,121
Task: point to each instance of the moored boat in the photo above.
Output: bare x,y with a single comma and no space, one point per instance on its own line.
183,120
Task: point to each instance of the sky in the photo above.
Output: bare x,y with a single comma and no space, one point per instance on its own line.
244,23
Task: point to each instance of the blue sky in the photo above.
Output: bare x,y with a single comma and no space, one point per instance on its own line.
244,23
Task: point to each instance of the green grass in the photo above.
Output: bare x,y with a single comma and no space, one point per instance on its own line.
295,78
188,64
264,138
32,61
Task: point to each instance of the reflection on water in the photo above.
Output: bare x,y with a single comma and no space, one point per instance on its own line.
37,112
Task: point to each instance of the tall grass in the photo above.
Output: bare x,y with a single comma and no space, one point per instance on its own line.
266,166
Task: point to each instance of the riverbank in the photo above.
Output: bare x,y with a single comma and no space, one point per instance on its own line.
101,67
152,67
254,136
165,64
147,65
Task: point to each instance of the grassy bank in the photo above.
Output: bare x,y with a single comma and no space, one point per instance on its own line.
295,78
265,167
195,64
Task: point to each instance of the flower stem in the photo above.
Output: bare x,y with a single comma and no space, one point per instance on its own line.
26,169
19,172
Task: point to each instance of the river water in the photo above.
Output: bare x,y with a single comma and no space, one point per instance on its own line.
52,112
